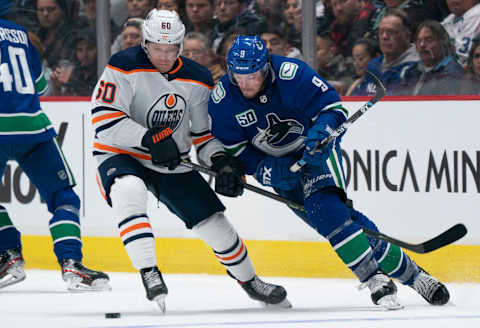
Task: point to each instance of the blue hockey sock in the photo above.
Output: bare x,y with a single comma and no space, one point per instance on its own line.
65,230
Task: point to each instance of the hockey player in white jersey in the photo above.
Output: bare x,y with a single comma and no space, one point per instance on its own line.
149,107
463,26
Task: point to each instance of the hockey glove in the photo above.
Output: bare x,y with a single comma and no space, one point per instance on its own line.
275,172
162,147
229,180
314,136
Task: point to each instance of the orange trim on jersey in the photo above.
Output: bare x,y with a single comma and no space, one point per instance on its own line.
102,192
106,117
133,70
135,227
195,81
231,257
120,151
180,64
202,139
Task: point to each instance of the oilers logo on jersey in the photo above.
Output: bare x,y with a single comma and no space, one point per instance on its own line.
167,111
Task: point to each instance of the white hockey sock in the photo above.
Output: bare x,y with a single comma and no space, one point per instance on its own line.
129,202
230,250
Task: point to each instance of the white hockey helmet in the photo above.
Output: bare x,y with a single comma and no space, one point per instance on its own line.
163,26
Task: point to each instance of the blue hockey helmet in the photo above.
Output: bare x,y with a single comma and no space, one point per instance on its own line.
247,54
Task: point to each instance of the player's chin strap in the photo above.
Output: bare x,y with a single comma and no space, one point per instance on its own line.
380,92
445,238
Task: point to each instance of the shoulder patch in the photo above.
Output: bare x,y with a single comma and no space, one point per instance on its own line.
288,70
218,93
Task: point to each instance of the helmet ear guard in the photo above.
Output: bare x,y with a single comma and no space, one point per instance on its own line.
164,27
248,54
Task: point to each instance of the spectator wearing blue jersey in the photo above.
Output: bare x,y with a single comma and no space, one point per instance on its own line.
437,72
269,111
398,54
28,137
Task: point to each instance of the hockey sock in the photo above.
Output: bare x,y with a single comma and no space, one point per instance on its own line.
230,250
392,259
65,231
9,235
129,202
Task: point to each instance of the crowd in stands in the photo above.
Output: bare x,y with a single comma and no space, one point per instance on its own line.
416,47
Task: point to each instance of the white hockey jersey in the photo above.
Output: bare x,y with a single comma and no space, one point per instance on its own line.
132,96
464,30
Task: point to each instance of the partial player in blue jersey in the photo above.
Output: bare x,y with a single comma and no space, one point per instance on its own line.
270,111
28,137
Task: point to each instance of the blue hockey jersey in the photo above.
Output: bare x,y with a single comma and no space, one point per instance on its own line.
21,82
276,121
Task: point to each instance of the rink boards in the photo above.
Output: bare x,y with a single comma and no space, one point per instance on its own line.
412,166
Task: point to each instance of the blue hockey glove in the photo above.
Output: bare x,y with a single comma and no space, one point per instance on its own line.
314,136
229,180
162,147
275,172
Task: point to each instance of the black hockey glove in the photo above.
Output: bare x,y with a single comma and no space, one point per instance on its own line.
162,147
229,180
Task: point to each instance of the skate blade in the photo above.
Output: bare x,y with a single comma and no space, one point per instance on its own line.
11,279
75,285
160,300
390,302
285,304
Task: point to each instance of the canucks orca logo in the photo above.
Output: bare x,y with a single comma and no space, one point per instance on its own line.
280,136
167,111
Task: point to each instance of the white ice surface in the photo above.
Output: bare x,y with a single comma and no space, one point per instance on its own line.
216,301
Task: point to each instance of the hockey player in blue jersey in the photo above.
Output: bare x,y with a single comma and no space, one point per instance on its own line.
27,136
270,111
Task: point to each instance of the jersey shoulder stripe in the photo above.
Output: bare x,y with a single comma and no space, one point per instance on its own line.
131,60
191,71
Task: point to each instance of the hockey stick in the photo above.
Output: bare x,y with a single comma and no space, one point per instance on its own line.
206,170
380,92
445,238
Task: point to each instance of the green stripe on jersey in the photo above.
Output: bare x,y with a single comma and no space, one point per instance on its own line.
41,85
23,122
65,229
5,219
352,250
236,149
339,108
391,261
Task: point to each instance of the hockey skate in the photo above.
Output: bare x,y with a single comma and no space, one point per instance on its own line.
432,290
265,293
81,279
384,291
155,286
11,267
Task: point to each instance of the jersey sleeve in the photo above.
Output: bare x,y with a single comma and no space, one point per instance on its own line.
111,100
205,143
41,85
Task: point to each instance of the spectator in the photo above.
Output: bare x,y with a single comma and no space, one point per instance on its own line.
292,13
363,51
336,69
89,11
463,25
140,8
83,77
220,68
130,36
200,17
437,8
55,28
437,72
398,53
20,12
471,85
195,47
352,21
415,10
276,42
233,16
270,12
